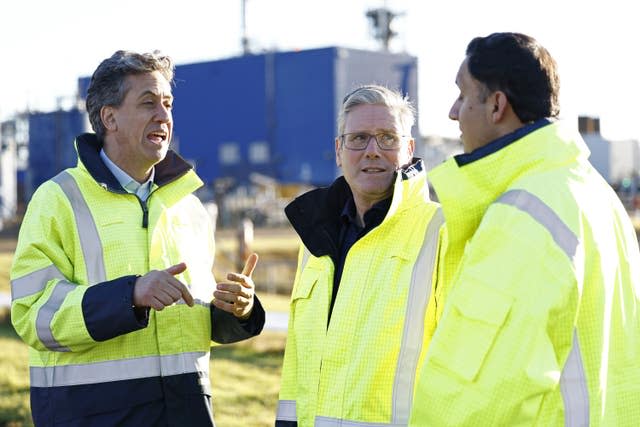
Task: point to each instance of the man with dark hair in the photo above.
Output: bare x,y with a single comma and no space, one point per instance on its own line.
538,320
111,283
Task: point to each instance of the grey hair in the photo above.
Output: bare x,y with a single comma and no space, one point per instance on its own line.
399,105
108,84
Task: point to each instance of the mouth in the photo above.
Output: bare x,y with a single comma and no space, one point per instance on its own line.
373,169
157,136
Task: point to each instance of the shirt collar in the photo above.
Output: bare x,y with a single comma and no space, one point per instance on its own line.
374,215
131,185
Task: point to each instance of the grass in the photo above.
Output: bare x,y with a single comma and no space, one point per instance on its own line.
5,266
246,380
14,379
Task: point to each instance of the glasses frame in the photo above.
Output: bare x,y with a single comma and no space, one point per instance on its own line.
375,137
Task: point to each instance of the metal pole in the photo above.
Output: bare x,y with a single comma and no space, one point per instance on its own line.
245,39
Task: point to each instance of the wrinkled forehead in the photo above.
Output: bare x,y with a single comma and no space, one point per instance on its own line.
372,118
153,83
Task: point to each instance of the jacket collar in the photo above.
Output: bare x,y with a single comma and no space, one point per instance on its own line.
500,143
88,147
315,215
465,191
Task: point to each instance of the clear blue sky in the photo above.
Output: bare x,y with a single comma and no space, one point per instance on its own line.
46,45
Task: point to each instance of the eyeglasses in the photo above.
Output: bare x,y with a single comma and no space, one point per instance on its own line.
360,140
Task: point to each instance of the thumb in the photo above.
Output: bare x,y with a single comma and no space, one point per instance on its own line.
176,269
250,264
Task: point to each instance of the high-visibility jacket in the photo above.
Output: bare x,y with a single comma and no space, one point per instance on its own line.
360,368
83,242
541,291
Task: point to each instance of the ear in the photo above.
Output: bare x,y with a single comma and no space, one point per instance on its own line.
338,153
107,115
411,146
500,104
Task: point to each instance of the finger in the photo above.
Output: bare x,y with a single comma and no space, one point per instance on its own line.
172,289
229,287
229,297
225,306
250,264
164,297
186,294
244,281
241,303
176,269
180,289
156,304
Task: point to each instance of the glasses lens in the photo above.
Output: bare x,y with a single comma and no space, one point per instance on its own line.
388,141
360,140
356,141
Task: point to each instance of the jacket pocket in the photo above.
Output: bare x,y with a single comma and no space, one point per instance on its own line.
305,285
469,329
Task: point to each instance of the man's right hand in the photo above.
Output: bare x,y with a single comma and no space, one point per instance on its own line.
159,289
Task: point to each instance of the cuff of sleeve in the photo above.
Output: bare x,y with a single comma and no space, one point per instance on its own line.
255,322
227,328
108,309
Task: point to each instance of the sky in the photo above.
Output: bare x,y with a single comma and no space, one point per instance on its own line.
45,45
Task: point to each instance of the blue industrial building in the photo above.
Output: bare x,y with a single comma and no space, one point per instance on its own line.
275,113
51,147
272,113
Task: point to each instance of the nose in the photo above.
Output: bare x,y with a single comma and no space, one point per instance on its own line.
453,112
372,149
163,114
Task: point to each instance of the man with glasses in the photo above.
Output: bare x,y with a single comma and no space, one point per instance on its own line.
359,321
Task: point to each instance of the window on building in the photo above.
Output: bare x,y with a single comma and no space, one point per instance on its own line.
259,152
229,153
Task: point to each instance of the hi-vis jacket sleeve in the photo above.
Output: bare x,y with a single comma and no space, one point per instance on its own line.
286,413
52,305
506,332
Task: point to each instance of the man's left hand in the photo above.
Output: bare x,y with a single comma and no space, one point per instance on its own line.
236,296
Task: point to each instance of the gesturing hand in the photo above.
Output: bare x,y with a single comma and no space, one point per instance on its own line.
236,296
159,289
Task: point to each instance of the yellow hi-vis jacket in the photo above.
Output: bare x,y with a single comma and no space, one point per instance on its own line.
82,243
541,319
360,369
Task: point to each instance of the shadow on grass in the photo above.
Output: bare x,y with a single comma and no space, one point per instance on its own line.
6,329
244,355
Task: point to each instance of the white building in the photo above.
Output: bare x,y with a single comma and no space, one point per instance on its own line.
8,172
617,161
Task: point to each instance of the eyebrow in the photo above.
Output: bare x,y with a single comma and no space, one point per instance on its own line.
378,130
155,94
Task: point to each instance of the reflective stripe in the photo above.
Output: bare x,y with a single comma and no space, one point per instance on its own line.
46,313
305,258
117,370
336,422
87,230
195,302
286,410
531,204
91,251
413,333
34,282
573,385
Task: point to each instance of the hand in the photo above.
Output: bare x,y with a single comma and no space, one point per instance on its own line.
159,289
236,297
